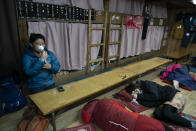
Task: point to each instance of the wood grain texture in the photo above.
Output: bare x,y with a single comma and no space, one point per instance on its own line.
52,100
174,49
23,34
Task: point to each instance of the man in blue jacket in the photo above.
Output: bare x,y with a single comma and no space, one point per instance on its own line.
39,64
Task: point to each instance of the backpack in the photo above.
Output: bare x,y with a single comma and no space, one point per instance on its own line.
32,120
11,97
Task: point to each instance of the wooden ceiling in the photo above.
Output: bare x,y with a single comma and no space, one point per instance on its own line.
177,3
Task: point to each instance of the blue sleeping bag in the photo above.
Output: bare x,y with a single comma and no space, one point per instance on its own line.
177,72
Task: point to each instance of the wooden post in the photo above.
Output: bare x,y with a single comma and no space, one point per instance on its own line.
108,40
88,42
106,9
104,38
53,121
120,35
23,35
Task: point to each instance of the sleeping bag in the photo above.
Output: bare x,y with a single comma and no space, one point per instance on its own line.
177,72
154,94
111,115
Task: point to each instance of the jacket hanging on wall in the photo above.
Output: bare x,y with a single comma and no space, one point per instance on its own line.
145,25
189,32
193,24
177,31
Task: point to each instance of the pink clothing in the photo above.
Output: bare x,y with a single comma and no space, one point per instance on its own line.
133,23
170,69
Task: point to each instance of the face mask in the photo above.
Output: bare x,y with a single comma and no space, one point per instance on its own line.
40,48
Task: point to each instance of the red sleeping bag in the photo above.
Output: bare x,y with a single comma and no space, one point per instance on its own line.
110,115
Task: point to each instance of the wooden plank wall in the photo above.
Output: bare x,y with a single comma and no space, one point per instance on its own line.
193,49
173,48
23,34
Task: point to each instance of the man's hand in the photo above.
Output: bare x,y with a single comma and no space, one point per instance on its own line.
44,55
47,66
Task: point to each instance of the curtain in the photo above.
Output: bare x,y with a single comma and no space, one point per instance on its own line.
158,9
68,41
9,43
130,42
134,7
86,4
133,45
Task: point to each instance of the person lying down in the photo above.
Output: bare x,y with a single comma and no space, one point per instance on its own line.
169,102
111,115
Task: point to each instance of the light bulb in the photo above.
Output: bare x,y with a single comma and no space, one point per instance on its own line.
194,2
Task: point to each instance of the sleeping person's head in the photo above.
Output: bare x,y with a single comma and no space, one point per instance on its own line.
132,87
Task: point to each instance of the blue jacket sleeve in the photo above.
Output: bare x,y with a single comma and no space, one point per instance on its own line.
55,65
31,67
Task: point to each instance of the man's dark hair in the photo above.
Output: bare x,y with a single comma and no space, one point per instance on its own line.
131,87
34,37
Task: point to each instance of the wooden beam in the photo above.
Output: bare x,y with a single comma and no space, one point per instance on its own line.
108,40
120,35
114,43
23,34
104,39
88,43
97,28
114,56
94,45
107,36
96,60
106,5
